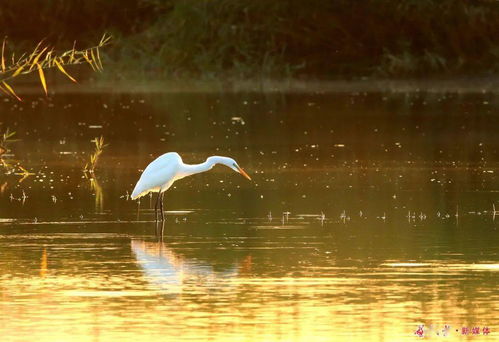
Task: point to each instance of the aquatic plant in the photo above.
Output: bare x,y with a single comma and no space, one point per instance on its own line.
44,57
23,173
5,140
11,165
94,157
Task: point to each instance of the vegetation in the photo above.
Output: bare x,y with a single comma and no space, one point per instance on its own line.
258,38
5,139
43,57
23,173
94,157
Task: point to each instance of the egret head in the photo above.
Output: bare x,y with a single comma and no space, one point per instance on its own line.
237,168
229,162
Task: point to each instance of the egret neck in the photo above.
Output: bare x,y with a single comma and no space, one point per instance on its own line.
192,169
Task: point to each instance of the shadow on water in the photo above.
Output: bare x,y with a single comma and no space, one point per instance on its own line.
369,214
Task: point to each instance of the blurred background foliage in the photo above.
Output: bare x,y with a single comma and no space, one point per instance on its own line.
318,39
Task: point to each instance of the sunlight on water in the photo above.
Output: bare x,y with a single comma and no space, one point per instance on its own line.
155,286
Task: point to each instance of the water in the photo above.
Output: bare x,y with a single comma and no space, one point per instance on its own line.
368,215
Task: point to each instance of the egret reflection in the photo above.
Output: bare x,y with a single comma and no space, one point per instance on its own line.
167,268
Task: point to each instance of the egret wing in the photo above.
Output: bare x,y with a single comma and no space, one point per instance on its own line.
159,174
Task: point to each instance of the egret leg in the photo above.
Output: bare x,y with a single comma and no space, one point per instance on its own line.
161,206
157,229
161,231
160,227
156,206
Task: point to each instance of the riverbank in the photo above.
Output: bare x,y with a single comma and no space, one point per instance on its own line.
224,39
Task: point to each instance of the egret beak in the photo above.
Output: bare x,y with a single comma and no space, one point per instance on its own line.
241,171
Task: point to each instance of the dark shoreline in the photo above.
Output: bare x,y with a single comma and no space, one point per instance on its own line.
449,85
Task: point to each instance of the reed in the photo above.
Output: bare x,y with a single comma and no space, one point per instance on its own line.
10,166
23,173
94,157
43,57
5,139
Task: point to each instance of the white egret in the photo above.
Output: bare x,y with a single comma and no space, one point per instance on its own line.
162,172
